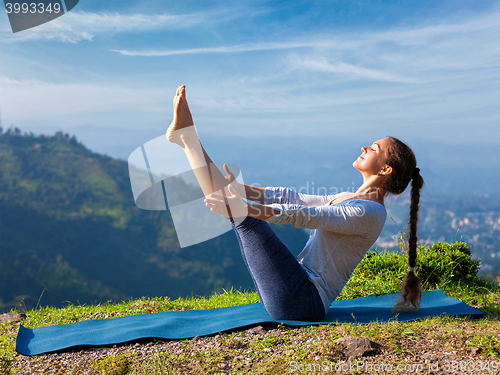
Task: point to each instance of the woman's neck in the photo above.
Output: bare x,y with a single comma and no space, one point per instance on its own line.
371,192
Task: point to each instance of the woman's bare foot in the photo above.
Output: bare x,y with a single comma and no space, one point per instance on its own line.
182,117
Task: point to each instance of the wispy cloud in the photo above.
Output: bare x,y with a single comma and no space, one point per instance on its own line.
446,72
397,55
423,34
74,27
46,99
77,26
322,65
216,50
419,35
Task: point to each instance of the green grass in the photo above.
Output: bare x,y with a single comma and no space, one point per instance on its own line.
440,266
117,365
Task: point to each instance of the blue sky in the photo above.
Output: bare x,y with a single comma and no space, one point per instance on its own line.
106,71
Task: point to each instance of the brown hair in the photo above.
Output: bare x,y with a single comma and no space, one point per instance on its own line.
404,169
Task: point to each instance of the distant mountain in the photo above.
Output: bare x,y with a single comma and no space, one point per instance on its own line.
70,232
307,160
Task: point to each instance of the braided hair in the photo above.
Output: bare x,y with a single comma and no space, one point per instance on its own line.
404,165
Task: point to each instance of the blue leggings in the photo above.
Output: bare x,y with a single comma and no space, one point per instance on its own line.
283,285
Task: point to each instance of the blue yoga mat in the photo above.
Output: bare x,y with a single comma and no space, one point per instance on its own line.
191,323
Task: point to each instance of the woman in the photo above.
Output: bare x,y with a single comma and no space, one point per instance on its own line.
345,225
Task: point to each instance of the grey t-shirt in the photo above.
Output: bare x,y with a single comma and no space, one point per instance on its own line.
342,235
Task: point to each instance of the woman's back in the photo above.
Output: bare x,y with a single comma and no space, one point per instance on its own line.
342,234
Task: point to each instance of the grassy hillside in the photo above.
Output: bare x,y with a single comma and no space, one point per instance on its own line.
442,342
70,232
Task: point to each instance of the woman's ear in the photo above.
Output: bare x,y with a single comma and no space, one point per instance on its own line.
386,170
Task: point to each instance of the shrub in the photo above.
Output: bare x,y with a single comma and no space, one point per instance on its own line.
444,263
440,266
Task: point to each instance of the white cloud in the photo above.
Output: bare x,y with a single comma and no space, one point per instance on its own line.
34,99
423,34
445,74
416,36
413,55
216,50
74,27
321,65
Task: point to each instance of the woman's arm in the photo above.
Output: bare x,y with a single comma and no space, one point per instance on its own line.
356,217
261,212
282,195
255,193
352,218
276,194
233,206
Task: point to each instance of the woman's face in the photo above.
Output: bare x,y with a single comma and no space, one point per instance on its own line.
372,159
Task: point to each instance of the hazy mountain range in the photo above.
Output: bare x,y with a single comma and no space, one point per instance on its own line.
69,228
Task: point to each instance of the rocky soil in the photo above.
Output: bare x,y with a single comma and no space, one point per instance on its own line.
267,349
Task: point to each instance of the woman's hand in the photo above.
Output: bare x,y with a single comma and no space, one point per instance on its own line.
231,206
239,188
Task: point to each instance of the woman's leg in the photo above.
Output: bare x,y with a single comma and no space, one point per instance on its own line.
183,132
283,285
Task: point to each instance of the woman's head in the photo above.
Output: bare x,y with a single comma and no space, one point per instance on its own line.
402,160
391,160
